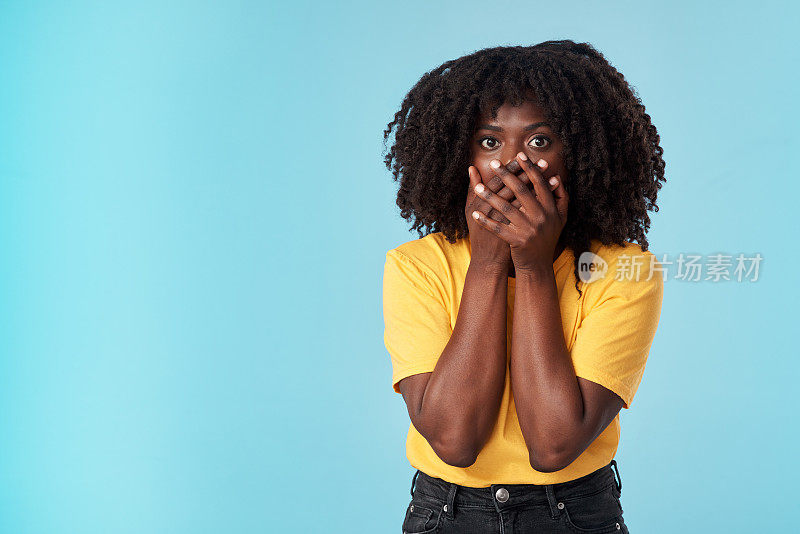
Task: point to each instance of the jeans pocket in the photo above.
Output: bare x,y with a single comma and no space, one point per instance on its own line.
597,513
422,517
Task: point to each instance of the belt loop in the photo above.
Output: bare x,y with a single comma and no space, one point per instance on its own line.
551,499
451,498
413,481
619,484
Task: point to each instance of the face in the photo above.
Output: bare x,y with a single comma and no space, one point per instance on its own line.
517,129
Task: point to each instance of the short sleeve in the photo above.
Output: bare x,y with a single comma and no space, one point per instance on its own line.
417,323
613,340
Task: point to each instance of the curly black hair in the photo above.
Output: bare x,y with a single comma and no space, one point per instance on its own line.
611,148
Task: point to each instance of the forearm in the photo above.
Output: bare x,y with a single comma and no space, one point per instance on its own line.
547,396
463,394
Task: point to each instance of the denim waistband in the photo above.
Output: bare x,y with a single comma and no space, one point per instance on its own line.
456,496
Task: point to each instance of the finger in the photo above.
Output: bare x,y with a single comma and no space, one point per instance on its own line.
500,204
534,172
499,188
474,177
497,216
514,168
495,182
561,197
524,195
477,201
497,228
493,213
516,203
514,214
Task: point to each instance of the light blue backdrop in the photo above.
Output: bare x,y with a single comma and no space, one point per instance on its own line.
194,214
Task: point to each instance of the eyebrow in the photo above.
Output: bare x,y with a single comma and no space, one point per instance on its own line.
528,127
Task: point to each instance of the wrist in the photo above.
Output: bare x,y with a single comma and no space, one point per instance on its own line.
489,267
535,272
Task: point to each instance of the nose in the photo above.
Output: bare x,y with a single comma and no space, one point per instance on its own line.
514,145
510,155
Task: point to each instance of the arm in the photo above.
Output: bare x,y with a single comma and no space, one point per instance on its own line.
455,407
559,414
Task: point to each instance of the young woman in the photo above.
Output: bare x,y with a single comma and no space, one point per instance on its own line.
520,322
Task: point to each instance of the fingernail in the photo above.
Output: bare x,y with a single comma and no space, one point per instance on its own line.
542,163
553,180
495,163
522,156
479,188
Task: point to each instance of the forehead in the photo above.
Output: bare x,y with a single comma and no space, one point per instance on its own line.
527,112
509,116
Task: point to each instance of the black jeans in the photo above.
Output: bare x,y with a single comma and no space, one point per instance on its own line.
590,504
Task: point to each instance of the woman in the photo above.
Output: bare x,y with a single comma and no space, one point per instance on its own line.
519,325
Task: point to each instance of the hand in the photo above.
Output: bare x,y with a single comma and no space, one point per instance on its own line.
486,247
496,183
534,228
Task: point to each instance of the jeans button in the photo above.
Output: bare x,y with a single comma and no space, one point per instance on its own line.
560,506
501,495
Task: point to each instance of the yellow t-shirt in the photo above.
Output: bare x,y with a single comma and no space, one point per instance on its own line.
608,331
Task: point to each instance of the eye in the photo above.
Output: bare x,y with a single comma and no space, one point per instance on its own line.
491,140
540,141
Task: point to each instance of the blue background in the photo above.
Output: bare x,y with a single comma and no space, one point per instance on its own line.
194,215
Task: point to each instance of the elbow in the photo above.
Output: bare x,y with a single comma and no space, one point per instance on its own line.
458,458
457,454
548,461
